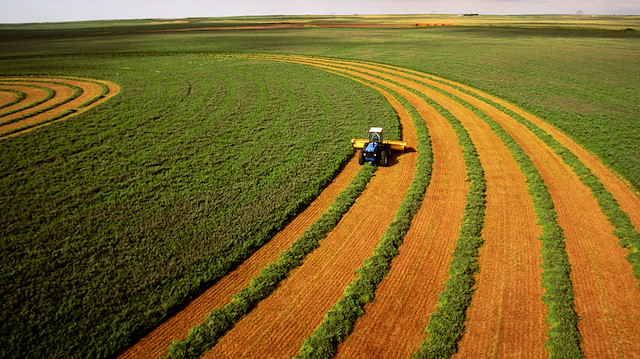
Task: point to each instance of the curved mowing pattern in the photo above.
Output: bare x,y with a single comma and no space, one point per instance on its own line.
547,251
41,101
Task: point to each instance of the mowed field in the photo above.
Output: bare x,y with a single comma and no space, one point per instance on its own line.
194,193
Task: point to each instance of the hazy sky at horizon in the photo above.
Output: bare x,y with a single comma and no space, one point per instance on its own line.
19,11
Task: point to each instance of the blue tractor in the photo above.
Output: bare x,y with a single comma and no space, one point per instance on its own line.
375,150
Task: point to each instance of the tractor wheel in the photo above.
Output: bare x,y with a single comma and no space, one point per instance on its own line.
384,159
361,157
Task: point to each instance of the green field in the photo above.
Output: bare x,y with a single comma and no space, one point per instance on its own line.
112,220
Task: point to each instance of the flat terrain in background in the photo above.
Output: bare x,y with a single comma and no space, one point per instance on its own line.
113,219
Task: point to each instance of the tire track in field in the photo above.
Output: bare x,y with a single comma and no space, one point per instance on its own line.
156,343
71,96
602,279
281,322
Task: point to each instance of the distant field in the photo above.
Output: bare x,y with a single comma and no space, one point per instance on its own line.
112,220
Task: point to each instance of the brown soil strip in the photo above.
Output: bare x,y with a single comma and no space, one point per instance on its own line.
156,343
280,323
33,95
90,91
603,281
507,316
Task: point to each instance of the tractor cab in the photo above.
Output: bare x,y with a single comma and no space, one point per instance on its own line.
375,134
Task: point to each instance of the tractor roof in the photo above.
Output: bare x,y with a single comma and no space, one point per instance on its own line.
375,129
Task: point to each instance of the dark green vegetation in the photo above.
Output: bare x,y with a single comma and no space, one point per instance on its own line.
341,318
205,335
113,219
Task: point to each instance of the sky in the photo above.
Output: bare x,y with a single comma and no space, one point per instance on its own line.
20,11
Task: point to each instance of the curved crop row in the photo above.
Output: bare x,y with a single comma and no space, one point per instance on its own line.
562,330
20,95
162,173
625,231
49,95
339,321
563,337
563,327
319,282
219,321
446,325
37,113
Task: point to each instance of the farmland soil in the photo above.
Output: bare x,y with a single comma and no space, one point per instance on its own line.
156,343
602,278
507,315
7,97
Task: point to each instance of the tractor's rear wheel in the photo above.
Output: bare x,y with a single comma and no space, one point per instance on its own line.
361,157
384,159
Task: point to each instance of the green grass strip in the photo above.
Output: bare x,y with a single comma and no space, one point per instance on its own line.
21,96
341,318
563,337
50,94
446,324
624,229
205,335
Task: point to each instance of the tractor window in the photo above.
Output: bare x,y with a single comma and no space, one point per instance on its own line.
374,137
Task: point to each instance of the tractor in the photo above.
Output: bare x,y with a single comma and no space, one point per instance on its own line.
375,150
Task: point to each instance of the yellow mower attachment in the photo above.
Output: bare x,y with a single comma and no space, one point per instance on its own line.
359,143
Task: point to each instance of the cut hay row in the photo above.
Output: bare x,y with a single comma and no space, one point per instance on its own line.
326,339
344,313
557,322
556,319
65,96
